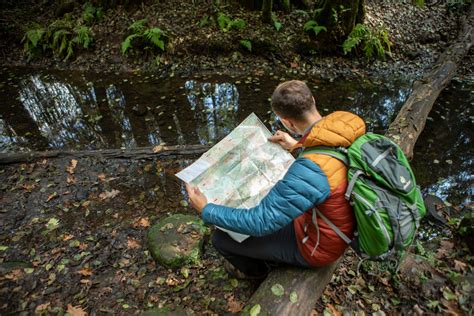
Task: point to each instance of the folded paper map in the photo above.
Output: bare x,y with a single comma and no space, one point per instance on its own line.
239,170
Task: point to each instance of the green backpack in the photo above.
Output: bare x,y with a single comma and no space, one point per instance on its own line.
382,190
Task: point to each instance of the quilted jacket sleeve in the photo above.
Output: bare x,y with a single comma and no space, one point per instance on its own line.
303,186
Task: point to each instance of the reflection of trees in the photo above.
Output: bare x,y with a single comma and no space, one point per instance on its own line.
9,139
215,107
56,109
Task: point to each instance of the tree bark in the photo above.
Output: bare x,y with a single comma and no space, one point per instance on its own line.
267,7
138,153
410,121
309,284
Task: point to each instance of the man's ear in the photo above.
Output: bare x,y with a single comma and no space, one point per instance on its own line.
288,123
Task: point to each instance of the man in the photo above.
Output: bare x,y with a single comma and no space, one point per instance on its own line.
284,227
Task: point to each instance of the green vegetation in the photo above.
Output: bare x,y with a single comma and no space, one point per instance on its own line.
246,44
276,23
62,37
373,43
144,38
91,13
312,25
226,23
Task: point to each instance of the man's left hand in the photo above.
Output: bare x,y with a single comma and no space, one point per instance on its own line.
196,197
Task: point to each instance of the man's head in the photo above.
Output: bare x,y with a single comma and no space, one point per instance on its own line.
294,103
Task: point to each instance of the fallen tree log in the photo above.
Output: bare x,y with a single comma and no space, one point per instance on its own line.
137,153
308,285
411,119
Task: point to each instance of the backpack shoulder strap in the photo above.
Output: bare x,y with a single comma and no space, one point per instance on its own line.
335,152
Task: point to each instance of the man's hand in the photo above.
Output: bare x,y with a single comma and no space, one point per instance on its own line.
196,197
283,139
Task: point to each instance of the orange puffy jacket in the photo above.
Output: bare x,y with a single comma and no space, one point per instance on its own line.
339,128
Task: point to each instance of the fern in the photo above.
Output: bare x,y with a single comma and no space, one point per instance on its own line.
138,26
247,44
277,24
83,36
127,43
312,25
226,24
33,37
223,20
154,36
374,43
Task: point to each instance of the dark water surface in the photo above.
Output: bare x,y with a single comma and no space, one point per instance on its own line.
73,110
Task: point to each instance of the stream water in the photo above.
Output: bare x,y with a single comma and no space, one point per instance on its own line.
73,110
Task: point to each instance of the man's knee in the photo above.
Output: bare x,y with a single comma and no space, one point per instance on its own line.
219,239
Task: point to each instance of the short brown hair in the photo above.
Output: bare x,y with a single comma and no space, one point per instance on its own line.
292,99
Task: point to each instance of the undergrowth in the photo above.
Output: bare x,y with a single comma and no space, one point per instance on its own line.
371,43
142,37
62,38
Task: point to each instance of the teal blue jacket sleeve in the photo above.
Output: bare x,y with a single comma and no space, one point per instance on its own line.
303,186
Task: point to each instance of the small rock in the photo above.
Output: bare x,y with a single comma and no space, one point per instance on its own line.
170,246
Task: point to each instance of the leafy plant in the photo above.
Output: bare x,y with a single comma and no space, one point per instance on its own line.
418,3
62,37
312,25
226,23
247,44
372,42
277,24
204,21
337,14
91,13
141,36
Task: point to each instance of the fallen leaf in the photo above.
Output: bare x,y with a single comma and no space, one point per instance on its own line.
132,244
278,289
68,237
52,196
101,176
75,311
29,186
109,194
42,307
444,249
71,179
72,166
143,222
85,271
233,305
333,310
157,149
459,265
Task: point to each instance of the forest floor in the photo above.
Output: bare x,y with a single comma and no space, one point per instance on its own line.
197,45
76,242
73,237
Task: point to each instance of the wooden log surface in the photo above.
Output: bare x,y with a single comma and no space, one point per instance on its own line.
137,153
405,129
411,119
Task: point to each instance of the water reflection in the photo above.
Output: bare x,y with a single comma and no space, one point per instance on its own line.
214,104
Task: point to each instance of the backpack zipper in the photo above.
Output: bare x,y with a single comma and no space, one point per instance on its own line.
377,216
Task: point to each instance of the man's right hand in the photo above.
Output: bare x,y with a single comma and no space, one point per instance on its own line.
283,139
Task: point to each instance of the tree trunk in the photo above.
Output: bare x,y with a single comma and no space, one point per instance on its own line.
137,153
267,11
309,284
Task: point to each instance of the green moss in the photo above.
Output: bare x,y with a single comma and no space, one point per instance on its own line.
177,240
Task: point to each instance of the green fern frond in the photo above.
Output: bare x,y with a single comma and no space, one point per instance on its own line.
83,36
138,26
70,50
309,25
33,37
223,21
154,36
127,43
238,24
58,37
247,44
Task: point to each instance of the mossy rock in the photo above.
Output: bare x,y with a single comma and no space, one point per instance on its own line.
165,311
177,240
